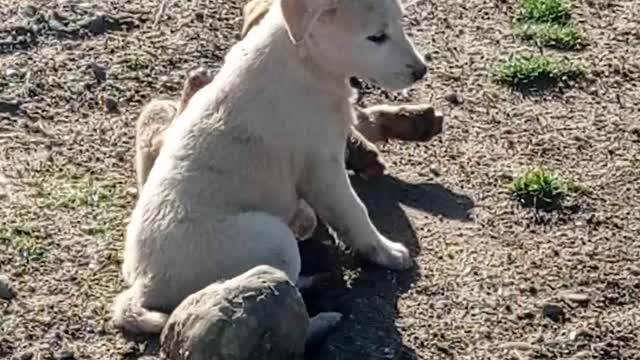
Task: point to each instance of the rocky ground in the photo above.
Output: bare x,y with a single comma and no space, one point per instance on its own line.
492,280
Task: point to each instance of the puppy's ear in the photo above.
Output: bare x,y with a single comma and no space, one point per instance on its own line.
252,13
299,15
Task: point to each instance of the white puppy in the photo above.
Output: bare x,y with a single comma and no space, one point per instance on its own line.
270,128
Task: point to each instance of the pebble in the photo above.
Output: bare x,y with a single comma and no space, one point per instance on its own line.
97,25
434,170
580,298
526,315
99,72
584,354
26,355
6,289
580,333
110,104
555,312
454,98
29,11
517,345
65,355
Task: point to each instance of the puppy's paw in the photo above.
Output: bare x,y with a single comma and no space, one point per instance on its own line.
407,122
392,255
320,326
363,158
304,221
196,80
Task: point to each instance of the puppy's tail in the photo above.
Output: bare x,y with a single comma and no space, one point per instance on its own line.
129,315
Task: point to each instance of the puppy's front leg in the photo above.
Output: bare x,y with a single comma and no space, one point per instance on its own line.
327,189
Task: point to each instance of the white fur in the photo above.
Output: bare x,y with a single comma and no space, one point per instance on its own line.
270,129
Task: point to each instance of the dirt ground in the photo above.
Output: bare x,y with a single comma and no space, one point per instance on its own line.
492,280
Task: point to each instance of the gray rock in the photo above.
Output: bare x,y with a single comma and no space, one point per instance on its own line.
257,315
6,289
65,355
574,297
454,98
555,312
26,355
29,11
110,104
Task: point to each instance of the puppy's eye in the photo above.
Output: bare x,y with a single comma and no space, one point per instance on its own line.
378,38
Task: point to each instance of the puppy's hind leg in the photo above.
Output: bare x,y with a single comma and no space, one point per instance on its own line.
304,221
156,117
152,122
196,80
261,239
362,156
129,313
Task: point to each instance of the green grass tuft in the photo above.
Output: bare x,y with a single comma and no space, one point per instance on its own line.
537,188
564,37
544,11
548,23
537,71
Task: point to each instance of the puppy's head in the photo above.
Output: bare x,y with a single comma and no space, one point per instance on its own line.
364,38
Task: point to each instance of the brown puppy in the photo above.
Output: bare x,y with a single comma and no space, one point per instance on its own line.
156,118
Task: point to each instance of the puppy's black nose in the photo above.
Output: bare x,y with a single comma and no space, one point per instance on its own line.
419,72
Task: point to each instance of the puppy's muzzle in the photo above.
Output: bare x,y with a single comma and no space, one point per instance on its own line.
418,72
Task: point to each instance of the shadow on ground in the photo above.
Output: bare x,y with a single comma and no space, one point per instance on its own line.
364,293
369,329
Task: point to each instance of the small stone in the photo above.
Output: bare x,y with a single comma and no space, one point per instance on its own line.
99,72
110,104
56,25
555,312
454,98
526,315
584,354
29,11
6,289
579,298
505,176
8,106
517,345
26,355
581,333
443,347
634,270
65,355
434,170
635,130
97,25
